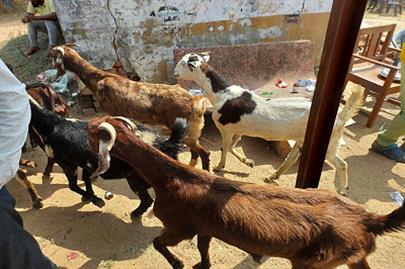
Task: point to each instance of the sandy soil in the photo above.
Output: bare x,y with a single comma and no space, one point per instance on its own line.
78,235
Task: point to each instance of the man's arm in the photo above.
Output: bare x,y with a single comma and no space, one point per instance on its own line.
48,17
25,18
31,17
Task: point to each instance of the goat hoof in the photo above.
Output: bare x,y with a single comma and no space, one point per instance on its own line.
47,177
218,169
136,214
37,204
98,201
177,264
343,193
201,266
270,179
250,163
257,258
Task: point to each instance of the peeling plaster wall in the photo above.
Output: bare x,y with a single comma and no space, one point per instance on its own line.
142,33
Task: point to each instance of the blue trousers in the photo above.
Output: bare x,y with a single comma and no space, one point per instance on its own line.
18,249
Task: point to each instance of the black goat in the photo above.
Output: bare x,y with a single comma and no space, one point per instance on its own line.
65,141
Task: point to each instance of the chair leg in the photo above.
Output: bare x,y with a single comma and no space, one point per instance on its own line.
374,113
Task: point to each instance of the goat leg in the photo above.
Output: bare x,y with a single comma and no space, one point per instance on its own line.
256,257
203,246
28,163
194,157
140,188
48,168
161,242
341,178
226,143
35,197
239,155
146,202
204,155
71,174
89,195
291,159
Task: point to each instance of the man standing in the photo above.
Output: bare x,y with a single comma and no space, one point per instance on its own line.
18,249
41,16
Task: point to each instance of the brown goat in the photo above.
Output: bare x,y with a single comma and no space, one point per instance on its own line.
157,104
314,229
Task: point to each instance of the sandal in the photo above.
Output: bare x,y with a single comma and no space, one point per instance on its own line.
392,152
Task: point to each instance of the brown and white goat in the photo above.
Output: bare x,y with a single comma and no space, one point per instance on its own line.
314,229
157,104
240,112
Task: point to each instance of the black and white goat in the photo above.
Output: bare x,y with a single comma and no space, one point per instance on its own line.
238,112
66,143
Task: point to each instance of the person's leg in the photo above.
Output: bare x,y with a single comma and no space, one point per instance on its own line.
54,34
33,27
17,247
397,126
386,141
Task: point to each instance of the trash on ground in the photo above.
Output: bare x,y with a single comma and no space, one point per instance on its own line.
72,255
397,197
304,84
281,83
108,195
267,93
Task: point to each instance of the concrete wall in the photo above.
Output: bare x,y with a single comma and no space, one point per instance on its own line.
142,33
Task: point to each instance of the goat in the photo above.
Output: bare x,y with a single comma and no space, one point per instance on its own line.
65,141
314,229
48,98
238,112
157,104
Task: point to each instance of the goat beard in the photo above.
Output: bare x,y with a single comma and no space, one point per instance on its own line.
103,160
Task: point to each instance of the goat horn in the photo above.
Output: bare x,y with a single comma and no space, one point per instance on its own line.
105,126
128,122
61,50
104,148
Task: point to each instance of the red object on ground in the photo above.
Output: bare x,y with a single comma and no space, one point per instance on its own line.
72,256
281,84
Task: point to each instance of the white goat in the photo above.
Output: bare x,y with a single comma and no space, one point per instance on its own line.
238,112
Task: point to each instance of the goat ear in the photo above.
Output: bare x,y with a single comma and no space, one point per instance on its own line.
206,56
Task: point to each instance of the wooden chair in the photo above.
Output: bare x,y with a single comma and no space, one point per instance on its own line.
371,55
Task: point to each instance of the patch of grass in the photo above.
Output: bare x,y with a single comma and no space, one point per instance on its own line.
24,67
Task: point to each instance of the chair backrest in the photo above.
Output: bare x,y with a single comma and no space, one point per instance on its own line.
373,42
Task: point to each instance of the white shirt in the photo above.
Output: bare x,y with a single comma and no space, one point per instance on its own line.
15,115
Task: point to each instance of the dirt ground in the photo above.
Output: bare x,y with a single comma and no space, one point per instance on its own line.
79,235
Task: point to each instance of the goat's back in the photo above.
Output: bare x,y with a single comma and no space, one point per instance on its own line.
247,113
145,102
266,220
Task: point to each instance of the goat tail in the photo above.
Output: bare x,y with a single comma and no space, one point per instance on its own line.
179,129
392,222
172,146
352,105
